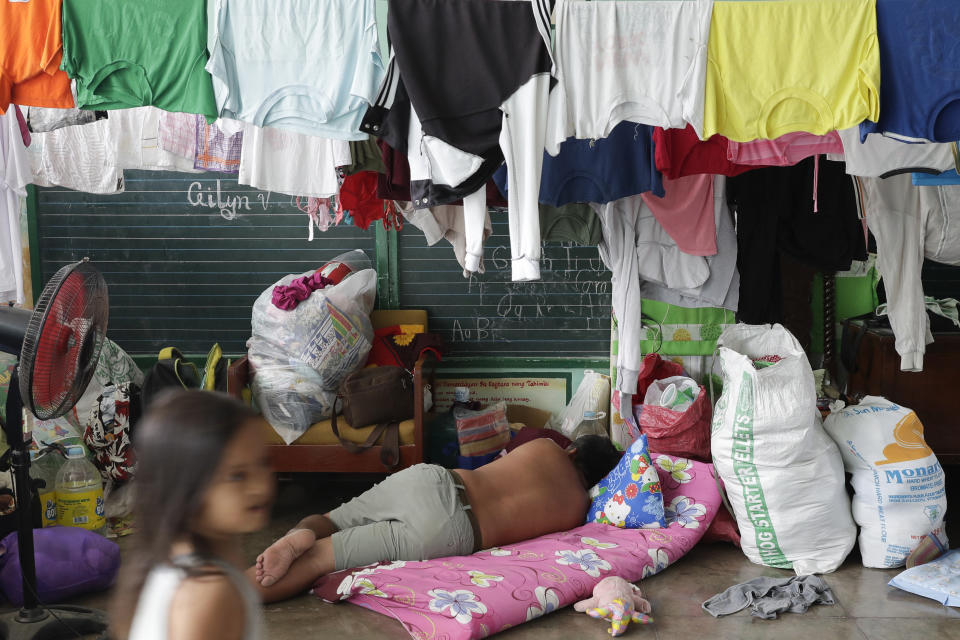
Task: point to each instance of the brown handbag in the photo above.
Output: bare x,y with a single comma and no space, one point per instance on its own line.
381,396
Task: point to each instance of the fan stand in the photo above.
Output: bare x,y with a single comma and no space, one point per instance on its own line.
33,622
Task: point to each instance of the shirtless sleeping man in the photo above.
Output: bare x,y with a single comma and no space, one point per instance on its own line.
427,511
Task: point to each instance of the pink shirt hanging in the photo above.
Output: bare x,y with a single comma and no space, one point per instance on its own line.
686,213
787,150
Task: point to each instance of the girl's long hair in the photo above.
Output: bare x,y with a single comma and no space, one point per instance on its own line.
179,444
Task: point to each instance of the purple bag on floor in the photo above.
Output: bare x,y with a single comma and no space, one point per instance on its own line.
70,561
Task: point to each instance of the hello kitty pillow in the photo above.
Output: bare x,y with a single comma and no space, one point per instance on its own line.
630,496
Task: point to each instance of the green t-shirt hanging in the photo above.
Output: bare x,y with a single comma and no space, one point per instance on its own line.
133,53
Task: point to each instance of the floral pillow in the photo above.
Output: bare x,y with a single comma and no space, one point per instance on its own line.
680,478
630,496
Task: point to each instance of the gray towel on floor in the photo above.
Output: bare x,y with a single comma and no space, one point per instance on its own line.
767,597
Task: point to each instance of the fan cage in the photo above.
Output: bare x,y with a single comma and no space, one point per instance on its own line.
63,340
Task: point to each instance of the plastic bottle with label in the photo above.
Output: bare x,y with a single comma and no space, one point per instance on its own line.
80,493
592,424
461,400
45,467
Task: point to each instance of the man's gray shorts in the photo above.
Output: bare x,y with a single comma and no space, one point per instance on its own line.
415,514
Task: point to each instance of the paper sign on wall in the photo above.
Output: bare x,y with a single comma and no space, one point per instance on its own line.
549,394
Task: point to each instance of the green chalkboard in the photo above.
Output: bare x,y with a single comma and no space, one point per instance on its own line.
565,314
184,255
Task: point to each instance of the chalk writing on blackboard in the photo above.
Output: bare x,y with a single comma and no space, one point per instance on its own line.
476,330
206,195
572,297
200,195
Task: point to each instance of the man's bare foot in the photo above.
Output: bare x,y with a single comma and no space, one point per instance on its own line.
273,563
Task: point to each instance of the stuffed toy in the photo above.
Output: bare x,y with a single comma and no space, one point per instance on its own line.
616,600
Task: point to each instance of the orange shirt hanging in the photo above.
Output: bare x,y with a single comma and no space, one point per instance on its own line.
30,53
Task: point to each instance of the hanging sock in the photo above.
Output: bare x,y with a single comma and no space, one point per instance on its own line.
316,219
392,218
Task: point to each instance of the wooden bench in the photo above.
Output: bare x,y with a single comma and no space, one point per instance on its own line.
318,448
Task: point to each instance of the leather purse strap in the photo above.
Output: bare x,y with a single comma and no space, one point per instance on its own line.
353,447
389,450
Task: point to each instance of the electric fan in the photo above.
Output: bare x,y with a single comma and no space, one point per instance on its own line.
58,343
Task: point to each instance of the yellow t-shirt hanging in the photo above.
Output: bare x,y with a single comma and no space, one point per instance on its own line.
791,65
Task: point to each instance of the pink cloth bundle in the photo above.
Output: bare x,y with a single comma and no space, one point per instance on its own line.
288,297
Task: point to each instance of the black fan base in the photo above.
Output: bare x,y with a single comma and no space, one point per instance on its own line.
72,621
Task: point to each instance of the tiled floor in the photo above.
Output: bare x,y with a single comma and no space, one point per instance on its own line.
866,607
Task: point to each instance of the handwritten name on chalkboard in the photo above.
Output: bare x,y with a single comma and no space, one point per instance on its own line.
212,197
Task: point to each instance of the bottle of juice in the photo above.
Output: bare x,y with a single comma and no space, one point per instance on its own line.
45,467
80,493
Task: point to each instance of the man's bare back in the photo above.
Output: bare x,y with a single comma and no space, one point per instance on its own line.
533,490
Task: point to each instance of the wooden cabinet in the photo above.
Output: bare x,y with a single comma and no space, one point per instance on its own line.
933,393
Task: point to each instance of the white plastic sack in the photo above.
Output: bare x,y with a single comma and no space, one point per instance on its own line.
783,474
290,395
301,356
593,394
900,493
330,331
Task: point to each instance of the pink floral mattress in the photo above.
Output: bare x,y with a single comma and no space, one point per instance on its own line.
474,596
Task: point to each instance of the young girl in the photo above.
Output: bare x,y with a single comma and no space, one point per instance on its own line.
203,480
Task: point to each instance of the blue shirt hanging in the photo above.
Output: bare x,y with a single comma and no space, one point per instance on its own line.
602,171
920,87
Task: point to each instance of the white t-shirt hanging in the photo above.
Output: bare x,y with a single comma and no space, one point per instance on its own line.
14,178
75,157
880,156
640,61
134,140
292,163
